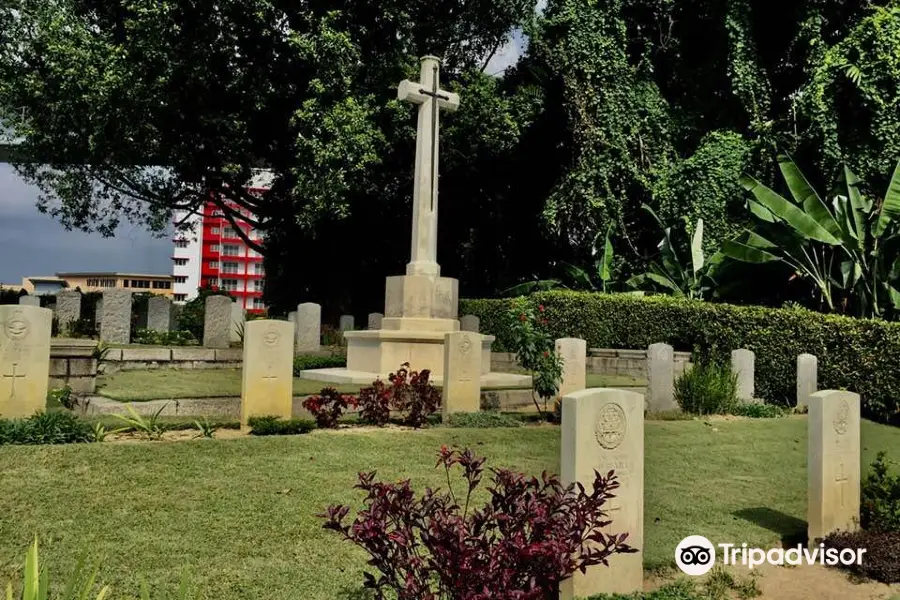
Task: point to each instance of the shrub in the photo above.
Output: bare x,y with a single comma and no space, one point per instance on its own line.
63,397
375,404
45,428
758,410
328,406
413,395
270,425
531,534
880,507
535,349
163,338
707,389
881,561
483,419
310,361
854,354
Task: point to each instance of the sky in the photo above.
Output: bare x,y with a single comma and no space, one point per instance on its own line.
33,244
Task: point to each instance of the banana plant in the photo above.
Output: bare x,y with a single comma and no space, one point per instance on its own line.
847,246
603,260
670,275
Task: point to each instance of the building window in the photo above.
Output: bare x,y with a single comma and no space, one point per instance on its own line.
214,248
181,243
258,303
230,267
180,297
230,285
257,285
229,232
124,283
213,264
231,250
179,262
140,283
162,285
214,231
258,269
181,279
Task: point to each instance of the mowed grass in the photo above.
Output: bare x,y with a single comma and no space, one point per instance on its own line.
163,384
240,514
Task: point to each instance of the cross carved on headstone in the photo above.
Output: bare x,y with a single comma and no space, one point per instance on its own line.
13,376
430,98
842,480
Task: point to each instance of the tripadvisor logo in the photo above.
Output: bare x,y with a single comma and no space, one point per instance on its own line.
696,555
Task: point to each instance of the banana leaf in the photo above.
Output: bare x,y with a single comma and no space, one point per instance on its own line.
761,212
697,247
891,206
747,253
606,258
639,280
860,207
578,275
788,212
807,197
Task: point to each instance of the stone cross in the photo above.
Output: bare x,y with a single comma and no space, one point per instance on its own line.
603,430
12,375
430,98
833,463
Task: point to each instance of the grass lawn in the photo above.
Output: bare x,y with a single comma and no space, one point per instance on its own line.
162,384
241,513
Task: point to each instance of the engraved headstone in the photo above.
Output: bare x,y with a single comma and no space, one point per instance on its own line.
24,359
661,375
68,309
374,321
115,324
267,378
573,352
217,322
470,323
603,430
237,321
159,313
292,317
309,327
346,323
462,373
833,467
29,301
743,364
807,377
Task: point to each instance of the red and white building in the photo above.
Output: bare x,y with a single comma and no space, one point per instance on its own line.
213,255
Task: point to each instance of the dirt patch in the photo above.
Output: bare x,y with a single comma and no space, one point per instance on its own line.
813,582
133,437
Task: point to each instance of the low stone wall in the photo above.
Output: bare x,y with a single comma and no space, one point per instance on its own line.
72,363
180,357
602,361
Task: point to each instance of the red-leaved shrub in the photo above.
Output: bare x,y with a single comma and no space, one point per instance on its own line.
328,406
410,393
531,535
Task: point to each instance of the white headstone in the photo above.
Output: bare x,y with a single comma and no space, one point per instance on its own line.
24,359
573,352
807,377
603,430
267,377
431,99
29,301
743,365
470,323
159,313
661,373
374,321
115,324
68,309
462,373
309,327
217,322
833,467
347,323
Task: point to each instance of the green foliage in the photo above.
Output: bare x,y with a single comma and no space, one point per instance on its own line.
100,432
272,425
854,354
205,429
163,338
482,419
150,426
707,389
312,361
880,507
45,428
535,349
848,251
190,319
63,397
757,410
36,581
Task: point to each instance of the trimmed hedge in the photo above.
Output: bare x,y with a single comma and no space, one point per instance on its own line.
854,354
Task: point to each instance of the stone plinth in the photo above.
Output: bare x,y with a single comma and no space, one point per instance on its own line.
383,351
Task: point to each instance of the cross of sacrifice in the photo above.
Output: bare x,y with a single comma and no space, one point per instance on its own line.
842,480
430,98
13,376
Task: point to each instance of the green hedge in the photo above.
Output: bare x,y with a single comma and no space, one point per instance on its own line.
856,354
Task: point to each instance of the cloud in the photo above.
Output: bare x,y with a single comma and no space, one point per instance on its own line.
35,244
509,54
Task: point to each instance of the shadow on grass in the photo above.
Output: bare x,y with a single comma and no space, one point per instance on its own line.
355,593
792,530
